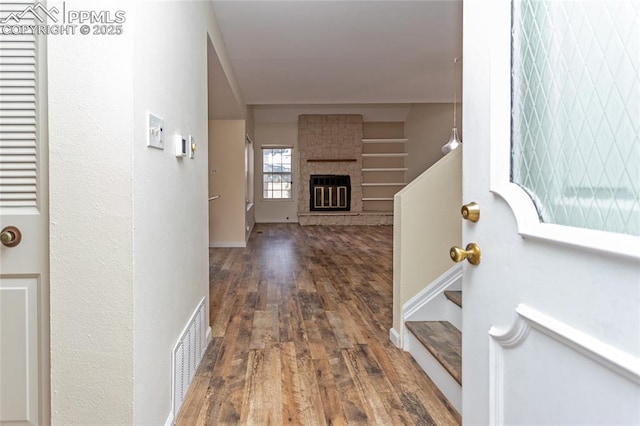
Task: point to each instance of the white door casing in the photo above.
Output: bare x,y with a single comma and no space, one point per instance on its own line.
551,320
24,280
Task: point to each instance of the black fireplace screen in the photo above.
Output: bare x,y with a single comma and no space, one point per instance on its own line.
330,193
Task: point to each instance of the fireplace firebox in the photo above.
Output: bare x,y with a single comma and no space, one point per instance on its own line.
330,193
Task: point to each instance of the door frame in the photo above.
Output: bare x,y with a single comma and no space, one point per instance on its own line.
44,329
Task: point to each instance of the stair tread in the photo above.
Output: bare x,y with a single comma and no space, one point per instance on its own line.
443,341
454,296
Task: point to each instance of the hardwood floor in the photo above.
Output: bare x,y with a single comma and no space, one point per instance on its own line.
300,324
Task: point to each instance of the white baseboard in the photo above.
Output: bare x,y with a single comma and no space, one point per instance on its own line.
426,306
277,221
249,233
170,420
227,244
394,336
432,290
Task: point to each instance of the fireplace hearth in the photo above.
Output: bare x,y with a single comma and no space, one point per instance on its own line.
330,193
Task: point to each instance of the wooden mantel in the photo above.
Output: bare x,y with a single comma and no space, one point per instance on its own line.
331,160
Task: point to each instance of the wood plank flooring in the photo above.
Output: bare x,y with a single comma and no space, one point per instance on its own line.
300,323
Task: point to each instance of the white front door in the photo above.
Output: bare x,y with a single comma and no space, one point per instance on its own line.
551,320
24,281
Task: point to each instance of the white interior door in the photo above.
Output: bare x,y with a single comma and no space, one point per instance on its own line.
24,281
551,320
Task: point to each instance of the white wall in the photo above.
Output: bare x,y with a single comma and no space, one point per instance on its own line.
426,224
170,194
228,213
90,87
282,133
129,257
427,128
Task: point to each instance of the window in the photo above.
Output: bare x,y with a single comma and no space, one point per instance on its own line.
276,173
575,109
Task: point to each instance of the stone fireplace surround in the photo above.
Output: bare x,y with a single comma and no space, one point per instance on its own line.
332,145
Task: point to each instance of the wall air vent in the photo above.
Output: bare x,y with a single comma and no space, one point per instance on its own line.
187,355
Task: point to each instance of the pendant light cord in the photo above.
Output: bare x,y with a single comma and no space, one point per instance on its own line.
455,90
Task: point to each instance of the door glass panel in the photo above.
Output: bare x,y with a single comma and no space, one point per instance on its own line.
575,128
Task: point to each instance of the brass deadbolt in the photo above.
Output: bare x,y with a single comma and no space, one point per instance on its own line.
471,212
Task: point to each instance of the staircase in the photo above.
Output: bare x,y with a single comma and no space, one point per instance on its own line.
426,287
437,346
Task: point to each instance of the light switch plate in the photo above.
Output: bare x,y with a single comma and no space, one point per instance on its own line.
155,131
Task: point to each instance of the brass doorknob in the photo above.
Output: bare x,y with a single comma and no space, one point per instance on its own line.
472,253
471,212
10,236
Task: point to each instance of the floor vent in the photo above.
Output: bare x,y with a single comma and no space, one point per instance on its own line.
187,355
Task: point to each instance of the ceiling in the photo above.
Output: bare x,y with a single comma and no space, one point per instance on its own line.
339,52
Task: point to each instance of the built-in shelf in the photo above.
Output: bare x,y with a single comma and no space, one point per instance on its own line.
331,160
386,169
383,156
384,140
387,155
